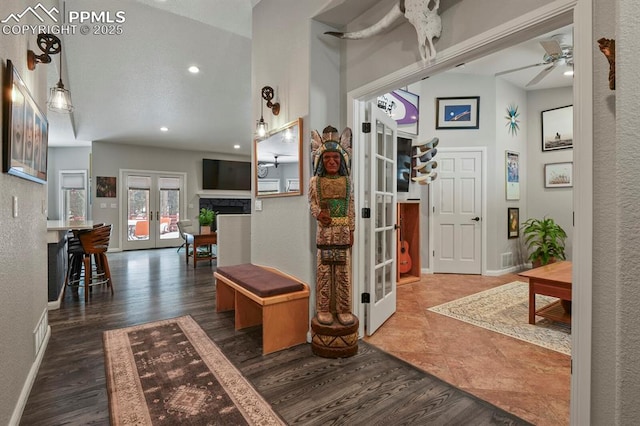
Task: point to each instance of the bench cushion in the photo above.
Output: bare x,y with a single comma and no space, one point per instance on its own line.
259,281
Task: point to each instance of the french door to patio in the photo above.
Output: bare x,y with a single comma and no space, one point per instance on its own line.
152,205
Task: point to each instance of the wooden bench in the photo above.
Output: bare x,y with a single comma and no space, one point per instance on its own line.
264,295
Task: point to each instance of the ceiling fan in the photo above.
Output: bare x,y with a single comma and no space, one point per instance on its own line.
274,163
557,52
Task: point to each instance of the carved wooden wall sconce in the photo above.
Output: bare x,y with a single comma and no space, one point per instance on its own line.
608,48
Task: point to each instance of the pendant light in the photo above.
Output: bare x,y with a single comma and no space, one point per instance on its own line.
59,97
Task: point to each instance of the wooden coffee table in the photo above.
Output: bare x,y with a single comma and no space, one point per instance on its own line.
200,240
552,280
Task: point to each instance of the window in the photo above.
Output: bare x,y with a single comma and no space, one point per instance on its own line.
73,194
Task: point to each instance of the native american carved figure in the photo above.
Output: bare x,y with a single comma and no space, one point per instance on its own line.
608,48
331,203
426,21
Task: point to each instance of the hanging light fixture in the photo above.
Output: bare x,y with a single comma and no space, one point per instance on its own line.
59,97
261,128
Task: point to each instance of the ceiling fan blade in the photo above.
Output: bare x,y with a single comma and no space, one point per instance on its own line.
519,69
542,74
552,47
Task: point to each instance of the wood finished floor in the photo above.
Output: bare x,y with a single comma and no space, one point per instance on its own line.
70,389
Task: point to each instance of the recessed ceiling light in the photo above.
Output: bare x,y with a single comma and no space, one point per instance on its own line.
236,147
194,70
164,129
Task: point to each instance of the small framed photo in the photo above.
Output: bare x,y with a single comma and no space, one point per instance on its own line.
513,222
557,128
512,175
558,175
105,186
458,113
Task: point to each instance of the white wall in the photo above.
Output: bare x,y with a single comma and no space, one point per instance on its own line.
23,252
556,203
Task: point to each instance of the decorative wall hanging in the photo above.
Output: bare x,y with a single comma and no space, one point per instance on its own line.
458,113
426,21
106,186
608,48
513,222
403,107
512,120
513,175
557,128
558,175
25,130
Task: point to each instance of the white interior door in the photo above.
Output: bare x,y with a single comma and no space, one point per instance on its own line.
457,213
380,245
152,206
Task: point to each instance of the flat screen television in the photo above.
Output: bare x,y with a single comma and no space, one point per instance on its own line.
227,175
404,164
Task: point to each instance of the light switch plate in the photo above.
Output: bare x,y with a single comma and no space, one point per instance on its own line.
258,205
15,206
103,205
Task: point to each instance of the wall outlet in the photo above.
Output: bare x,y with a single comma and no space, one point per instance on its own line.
114,205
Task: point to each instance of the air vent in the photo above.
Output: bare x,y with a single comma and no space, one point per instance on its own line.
507,260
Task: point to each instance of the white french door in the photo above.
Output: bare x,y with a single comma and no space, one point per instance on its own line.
380,241
152,204
457,213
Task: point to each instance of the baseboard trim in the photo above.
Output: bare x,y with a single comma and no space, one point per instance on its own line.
498,272
28,384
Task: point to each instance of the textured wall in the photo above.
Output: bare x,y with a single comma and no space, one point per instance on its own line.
23,252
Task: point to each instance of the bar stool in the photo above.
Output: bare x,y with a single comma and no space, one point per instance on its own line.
95,242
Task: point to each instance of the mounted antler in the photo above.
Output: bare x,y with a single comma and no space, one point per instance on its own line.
426,21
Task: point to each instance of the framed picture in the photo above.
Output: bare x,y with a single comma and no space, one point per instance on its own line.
458,113
106,186
513,222
558,175
25,130
513,175
403,107
557,128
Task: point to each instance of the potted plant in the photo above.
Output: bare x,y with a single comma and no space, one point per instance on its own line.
545,239
206,218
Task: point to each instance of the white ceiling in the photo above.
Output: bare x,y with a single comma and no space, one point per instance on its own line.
125,87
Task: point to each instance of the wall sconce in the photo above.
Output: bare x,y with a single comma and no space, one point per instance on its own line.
267,95
59,97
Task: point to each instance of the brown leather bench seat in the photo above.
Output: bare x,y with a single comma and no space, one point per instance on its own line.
259,281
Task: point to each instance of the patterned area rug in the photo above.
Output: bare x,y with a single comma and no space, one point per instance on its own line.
169,372
505,309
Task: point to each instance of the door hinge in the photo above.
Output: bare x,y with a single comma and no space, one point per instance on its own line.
366,298
366,212
366,127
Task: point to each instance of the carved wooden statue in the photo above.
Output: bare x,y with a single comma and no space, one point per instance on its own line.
608,47
334,327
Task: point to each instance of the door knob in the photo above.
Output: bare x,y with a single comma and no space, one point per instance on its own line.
476,219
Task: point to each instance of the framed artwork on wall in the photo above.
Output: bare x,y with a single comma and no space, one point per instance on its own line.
403,107
458,113
106,186
513,175
513,222
25,130
558,175
557,128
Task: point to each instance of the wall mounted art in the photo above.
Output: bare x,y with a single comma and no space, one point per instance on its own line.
458,113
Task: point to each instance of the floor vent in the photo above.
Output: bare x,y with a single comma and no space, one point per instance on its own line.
40,332
507,260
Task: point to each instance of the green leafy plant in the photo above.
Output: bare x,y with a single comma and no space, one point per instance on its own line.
545,239
206,217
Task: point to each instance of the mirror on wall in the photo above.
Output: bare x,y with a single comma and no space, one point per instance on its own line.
278,166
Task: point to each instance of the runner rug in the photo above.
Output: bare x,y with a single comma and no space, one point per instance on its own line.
169,372
505,310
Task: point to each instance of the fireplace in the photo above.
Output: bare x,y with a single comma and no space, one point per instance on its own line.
226,206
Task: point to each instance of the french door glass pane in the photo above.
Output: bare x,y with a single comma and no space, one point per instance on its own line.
138,207
169,208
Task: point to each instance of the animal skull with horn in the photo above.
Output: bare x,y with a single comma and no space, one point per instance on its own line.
426,22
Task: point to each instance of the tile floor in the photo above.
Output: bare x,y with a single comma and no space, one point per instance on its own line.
524,379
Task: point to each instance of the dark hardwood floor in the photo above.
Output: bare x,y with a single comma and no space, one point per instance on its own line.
369,388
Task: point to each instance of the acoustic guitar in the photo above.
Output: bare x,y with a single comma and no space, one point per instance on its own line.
404,260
